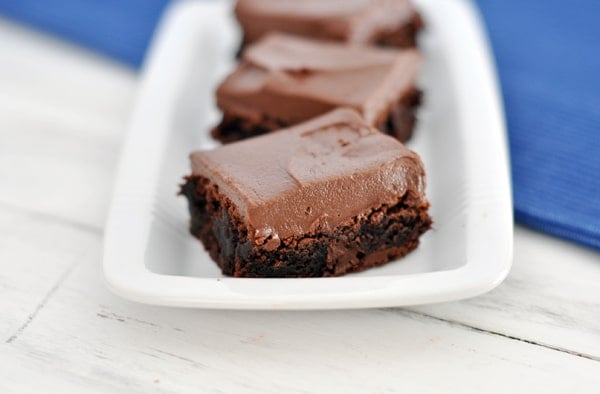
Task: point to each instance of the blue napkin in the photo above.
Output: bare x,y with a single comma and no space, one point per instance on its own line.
548,58
549,64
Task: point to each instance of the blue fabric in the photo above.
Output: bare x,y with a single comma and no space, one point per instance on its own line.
549,64
548,58
121,29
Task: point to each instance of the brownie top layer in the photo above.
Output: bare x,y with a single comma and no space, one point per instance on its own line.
291,79
311,177
354,21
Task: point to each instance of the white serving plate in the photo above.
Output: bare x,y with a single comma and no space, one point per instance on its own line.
150,257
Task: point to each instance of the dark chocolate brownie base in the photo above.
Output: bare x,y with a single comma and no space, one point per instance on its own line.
404,37
401,119
371,239
234,128
399,123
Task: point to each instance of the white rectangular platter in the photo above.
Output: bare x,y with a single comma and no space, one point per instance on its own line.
150,257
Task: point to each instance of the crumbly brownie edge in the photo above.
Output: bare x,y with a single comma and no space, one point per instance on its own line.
402,116
405,36
370,239
399,122
235,128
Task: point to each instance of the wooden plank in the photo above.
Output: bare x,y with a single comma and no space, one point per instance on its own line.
46,72
62,116
26,372
36,254
551,297
88,335
55,168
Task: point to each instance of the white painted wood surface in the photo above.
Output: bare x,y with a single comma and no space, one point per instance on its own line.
62,115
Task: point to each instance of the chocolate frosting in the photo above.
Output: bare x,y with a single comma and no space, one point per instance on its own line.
353,21
311,177
292,79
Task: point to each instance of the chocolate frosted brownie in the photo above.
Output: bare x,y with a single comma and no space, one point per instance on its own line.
283,80
326,197
381,22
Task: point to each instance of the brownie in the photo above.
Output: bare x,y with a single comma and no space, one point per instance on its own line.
380,22
283,80
329,196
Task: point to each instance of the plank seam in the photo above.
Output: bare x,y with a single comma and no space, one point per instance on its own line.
500,334
42,303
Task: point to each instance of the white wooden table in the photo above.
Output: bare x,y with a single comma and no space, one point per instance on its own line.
62,115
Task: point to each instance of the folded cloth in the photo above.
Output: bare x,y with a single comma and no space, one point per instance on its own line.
548,59
549,66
